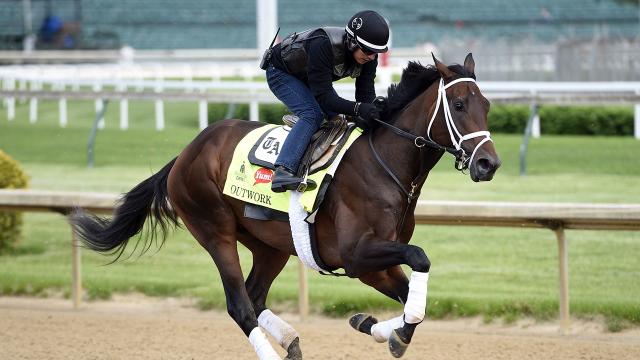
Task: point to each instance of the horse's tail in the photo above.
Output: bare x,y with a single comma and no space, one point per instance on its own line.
147,200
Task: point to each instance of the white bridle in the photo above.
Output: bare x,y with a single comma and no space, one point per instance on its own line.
451,126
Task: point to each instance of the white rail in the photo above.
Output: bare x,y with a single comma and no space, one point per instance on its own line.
160,77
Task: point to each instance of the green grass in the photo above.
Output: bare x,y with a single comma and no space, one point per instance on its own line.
493,272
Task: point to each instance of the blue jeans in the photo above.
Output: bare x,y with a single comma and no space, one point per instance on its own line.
301,102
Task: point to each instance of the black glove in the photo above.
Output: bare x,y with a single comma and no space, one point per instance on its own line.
367,112
381,103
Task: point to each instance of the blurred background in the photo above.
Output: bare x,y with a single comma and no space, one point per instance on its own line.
517,40
99,94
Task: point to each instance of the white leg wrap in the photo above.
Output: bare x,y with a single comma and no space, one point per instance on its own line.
261,345
416,304
282,332
382,330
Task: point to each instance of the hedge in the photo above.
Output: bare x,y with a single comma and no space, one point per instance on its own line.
560,120
564,120
11,177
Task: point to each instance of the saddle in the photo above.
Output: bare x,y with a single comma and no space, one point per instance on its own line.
325,143
323,148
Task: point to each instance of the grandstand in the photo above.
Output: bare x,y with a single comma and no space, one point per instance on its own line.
420,21
165,24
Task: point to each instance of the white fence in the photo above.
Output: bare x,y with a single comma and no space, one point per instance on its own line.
205,82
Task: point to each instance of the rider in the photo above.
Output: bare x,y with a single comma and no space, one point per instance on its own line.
300,72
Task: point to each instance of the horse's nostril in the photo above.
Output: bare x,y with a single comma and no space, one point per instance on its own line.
484,166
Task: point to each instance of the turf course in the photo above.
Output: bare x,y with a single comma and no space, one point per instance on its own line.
494,272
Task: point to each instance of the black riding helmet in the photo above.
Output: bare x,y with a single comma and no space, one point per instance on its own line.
369,30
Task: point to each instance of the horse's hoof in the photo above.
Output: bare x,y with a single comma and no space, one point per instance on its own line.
363,322
293,351
397,345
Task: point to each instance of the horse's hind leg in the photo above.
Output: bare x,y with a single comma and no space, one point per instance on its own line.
215,231
267,264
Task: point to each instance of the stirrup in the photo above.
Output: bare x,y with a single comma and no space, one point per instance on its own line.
291,182
302,187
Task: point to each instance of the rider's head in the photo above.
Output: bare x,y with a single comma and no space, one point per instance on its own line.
367,35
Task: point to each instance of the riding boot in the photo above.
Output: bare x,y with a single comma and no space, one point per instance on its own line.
284,180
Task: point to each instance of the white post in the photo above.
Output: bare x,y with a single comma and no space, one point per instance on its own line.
62,104
124,114
124,108
267,23
636,122
535,127
33,102
159,108
202,114
11,101
98,105
33,110
159,115
254,111
535,124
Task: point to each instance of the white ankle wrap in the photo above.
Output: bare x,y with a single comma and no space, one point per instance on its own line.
382,330
282,332
261,345
416,304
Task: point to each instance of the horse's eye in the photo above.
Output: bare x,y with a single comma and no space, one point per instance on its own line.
458,105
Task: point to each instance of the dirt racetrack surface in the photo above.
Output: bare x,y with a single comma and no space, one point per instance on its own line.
136,327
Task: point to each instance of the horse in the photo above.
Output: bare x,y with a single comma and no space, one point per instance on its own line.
363,225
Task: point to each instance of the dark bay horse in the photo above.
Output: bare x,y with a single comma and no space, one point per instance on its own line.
363,226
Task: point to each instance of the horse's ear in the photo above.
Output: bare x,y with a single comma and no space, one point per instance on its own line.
469,64
442,68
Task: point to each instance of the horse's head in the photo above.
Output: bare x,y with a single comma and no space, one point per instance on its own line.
462,123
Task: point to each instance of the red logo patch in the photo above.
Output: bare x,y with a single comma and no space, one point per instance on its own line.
262,176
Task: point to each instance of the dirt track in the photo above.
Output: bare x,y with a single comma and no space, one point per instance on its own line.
142,328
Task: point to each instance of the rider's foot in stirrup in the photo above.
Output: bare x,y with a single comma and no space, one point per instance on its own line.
284,180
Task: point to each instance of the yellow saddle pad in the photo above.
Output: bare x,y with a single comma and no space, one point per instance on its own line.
252,183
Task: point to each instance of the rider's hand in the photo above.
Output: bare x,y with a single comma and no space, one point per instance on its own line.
368,112
381,103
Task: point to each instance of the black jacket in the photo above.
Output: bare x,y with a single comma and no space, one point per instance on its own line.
320,76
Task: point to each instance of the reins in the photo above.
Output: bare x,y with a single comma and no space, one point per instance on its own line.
418,141
462,160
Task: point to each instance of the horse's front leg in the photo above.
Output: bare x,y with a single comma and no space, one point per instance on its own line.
368,257
394,284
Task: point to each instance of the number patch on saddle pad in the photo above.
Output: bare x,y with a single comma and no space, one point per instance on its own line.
268,147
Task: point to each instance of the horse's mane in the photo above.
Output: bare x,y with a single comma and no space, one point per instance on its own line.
416,78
